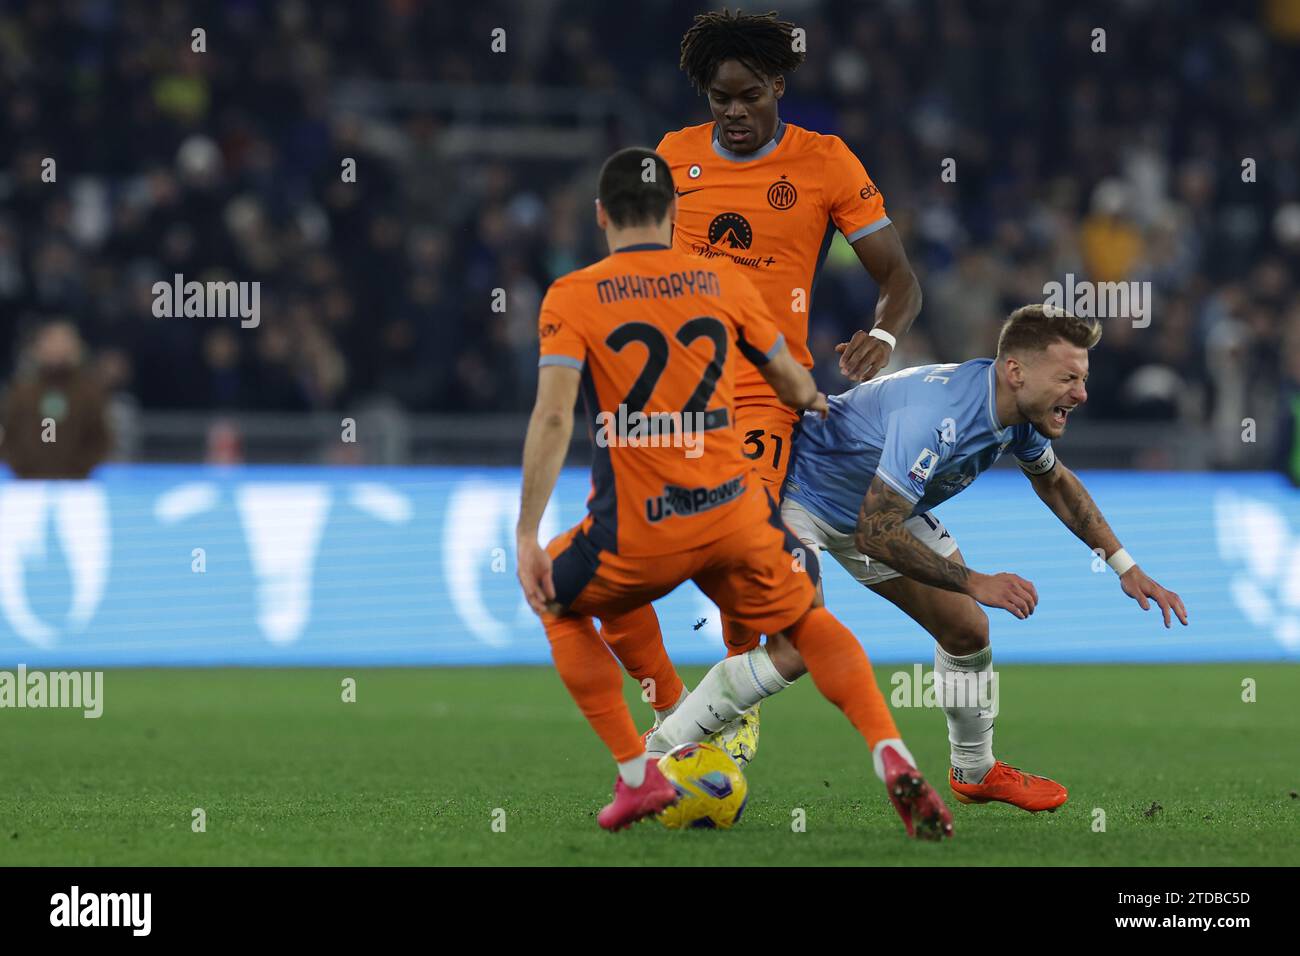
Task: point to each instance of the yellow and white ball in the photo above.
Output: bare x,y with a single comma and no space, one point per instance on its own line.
711,787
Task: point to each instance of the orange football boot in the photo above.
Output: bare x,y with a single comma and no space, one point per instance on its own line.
1008,784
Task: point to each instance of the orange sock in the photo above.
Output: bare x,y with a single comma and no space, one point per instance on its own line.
637,642
595,682
840,669
740,639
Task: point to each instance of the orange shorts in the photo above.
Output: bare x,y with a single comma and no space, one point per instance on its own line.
758,574
766,429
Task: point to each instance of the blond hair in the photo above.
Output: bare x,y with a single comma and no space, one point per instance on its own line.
1032,328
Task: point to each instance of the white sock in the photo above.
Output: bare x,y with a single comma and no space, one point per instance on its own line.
633,771
662,715
964,683
730,688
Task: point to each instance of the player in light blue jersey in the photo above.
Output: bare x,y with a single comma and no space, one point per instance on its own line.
861,486
927,432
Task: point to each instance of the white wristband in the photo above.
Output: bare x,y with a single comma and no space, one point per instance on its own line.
884,337
1120,561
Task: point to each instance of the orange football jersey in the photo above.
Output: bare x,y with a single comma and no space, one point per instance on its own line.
773,212
657,335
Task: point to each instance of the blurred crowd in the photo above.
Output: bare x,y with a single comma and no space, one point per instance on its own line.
1127,164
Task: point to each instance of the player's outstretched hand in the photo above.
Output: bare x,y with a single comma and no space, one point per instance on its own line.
819,405
535,575
862,356
1007,591
1139,587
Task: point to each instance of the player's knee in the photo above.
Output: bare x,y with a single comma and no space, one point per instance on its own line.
787,661
967,635
739,638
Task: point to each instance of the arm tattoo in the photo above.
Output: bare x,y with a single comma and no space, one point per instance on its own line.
1081,509
882,535
1070,501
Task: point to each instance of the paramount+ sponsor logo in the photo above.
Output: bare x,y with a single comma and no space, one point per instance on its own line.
732,230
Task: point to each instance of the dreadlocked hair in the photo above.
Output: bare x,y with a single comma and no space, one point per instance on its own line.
758,40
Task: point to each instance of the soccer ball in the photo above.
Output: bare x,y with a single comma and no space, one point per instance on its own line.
711,788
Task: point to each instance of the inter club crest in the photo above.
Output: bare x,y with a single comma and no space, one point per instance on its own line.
782,194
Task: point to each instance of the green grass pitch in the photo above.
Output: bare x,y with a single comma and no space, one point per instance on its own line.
412,772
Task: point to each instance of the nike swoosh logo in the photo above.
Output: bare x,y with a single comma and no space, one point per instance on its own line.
707,732
689,191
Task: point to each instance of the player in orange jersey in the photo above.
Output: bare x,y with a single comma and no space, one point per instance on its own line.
767,196
650,336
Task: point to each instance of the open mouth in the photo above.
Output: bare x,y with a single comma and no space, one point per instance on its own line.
1060,413
737,135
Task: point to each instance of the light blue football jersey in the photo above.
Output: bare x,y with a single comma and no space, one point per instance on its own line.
926,432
